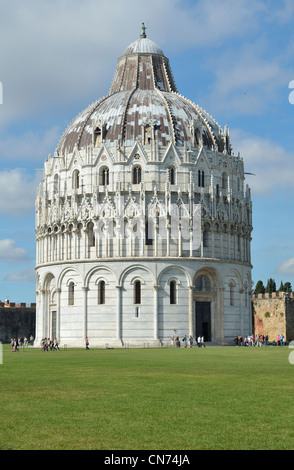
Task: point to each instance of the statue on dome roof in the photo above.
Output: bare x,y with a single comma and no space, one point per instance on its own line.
143,34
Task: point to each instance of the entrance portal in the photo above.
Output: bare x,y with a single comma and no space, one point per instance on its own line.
203,320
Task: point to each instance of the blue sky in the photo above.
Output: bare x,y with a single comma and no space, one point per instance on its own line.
232,57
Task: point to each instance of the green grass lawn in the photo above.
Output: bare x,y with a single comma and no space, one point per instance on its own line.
147,399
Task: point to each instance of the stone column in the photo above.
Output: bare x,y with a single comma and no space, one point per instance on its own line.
241,303
59,244
180,239
85,290
76,241
43,312
58,291
156,237
212,241
38,316
168,227
156,288
66,244
191,312
118,314
46,248
221,243
85,235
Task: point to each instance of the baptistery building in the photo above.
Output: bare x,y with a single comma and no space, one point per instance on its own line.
143,220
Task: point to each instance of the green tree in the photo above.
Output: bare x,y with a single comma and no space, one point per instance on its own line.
259,288
281,288
271,286
287,287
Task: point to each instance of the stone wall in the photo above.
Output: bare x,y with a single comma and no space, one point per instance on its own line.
17,322
273,314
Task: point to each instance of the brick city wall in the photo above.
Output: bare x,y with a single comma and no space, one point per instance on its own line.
273,314
16,321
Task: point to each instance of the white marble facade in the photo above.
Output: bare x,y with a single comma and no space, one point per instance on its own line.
143,224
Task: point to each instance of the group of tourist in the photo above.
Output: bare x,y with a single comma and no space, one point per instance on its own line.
175,341
16,343
257,340
280,340
49,344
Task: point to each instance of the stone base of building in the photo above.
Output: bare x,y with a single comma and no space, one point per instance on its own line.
131,343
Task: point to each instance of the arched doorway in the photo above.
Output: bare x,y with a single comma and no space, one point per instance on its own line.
208,306
203,299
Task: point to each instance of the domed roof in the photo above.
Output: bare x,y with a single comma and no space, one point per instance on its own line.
143,93
143,46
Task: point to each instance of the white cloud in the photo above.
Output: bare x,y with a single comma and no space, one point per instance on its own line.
272,165
30,146
10,252
17,192
67,54
285,13
248,79
286,267
22,276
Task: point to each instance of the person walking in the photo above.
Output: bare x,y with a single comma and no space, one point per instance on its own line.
191,341
87,342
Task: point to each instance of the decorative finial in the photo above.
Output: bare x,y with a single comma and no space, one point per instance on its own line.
143,34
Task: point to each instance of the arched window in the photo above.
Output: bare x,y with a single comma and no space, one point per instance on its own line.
101,293
205,239
137,172
224,180
76,179
197,137
56,184
239,243
232,291
137,292
91,236
104,176
173,292
79,235
97,136
246,295
149,227
201,178
71,293
206,236
172,175
147,134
